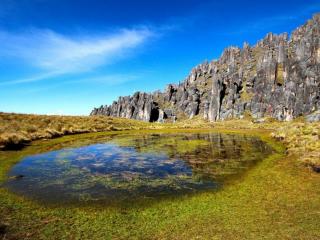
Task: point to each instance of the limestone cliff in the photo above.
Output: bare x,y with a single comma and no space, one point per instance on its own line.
278,77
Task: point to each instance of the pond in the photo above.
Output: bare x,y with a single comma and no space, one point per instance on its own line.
130,167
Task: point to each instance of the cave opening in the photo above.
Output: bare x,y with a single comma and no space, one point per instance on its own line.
154,116
222,94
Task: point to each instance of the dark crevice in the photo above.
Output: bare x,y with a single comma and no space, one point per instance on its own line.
15,146
154,116
198,109
132,111
223,92
3,230
238,88
222,95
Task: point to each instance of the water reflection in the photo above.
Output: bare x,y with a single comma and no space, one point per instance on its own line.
136,166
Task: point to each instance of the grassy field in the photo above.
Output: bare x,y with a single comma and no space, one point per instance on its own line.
302,139
18,129
278,199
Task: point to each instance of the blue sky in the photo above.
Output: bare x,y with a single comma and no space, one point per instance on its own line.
68,56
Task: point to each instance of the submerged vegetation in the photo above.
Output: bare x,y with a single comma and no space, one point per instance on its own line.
277,199
131,167
302,138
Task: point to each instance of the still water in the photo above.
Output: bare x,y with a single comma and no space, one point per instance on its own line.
136,166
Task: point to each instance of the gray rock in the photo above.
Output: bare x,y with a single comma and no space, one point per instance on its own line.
278,77
313,117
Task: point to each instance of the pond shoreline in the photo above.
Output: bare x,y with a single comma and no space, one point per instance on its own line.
25,219
19,130
153,163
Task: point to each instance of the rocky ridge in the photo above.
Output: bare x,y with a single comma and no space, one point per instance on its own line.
279,77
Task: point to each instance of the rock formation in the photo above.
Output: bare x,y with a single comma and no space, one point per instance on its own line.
279,77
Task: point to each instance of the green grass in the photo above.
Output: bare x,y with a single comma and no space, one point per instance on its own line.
301,138
278,199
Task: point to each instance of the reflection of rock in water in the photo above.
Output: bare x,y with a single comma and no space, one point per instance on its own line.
209,155
137,165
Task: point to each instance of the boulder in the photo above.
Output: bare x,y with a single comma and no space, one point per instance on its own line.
313,117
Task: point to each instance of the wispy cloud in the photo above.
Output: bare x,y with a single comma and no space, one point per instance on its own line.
109,80
33,78
56,54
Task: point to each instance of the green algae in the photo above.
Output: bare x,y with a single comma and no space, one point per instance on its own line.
137,166
277,199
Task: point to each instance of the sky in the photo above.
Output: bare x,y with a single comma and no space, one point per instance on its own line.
66,57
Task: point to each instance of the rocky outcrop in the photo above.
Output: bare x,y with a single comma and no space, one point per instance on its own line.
279,77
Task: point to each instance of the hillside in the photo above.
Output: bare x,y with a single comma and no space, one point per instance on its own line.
279,77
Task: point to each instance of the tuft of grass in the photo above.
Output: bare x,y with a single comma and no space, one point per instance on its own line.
279,74
245,95
277,199
18,129
303,140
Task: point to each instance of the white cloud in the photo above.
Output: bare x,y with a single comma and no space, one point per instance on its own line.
34,78
110,80
55,54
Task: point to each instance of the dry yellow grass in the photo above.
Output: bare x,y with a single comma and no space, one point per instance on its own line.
18,129
278,194
302,139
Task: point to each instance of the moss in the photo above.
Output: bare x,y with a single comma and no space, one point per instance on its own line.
257,52
276,200
280,74
245,95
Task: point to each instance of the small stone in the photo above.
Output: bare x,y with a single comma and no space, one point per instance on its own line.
17,177
313,117
259,120
316,168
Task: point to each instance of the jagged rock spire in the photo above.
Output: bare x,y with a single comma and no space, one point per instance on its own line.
278,77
